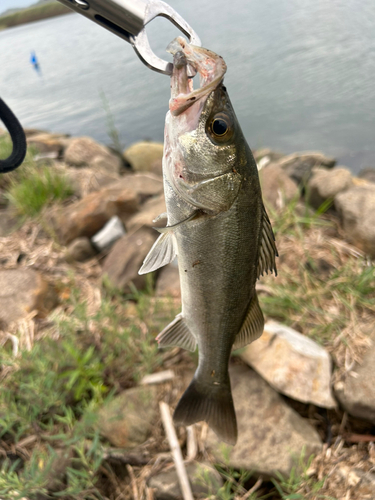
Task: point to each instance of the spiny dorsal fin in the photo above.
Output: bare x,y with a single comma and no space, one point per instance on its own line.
252,327
177,334
161,254
267,250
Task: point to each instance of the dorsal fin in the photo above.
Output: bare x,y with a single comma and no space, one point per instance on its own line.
267,250
252,327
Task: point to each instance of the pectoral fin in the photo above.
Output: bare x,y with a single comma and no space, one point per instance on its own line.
178,224
161,254
211,195
177,334
267,250
252,327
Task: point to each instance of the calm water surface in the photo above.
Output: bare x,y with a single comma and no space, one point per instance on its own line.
301,74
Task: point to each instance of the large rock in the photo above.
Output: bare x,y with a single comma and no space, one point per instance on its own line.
367,174
271,435
80,250
142,156
87,216
81,151
292,364
356,393
108,162
277,187
127,420
145,185
23,291
168,282
356,208
49,143
126,258
204,481
300,165
87,180
326,184
149,211
265,156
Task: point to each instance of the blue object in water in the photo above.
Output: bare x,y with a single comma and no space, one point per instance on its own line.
34,61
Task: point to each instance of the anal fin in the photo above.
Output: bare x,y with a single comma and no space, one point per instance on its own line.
161,254
177,334
252,327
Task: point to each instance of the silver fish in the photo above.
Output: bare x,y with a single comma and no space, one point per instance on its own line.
218,227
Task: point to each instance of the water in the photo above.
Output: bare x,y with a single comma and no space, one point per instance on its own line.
300,74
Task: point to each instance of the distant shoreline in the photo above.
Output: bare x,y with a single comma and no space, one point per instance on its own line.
33,14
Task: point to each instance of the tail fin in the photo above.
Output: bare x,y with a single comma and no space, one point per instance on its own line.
213,405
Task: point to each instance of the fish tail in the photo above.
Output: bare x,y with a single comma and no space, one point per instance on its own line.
212,404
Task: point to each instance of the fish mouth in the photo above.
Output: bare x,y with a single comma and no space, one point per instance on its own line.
187,59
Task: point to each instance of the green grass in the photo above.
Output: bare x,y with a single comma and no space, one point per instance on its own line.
33,14
320,289
32,186
54,391
300,485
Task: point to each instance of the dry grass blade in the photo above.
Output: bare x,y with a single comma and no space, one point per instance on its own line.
253,489
176,451
191,443
133,482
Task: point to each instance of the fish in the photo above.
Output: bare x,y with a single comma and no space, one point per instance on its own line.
219,230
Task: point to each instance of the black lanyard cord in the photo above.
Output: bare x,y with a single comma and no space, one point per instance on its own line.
18,138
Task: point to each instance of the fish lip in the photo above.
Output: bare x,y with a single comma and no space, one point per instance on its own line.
209,66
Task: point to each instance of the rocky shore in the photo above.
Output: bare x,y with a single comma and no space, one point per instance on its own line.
302,389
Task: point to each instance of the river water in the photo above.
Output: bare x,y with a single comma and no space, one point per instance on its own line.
301,74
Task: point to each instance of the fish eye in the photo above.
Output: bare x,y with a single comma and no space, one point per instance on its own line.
219,127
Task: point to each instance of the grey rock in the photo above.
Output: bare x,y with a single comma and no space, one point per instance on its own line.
266,156
157,167
48,143
356,208
326,184
147,214
108,162
367,174
23,291
87,216
109,234
271,435
34,131
299,166
292,364
127,420
145,185
86,180
123,198
81,151
168,282
125,259
80,250
356,393
277,187
204,481
141,156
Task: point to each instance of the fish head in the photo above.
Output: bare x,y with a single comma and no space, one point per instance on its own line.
203,138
